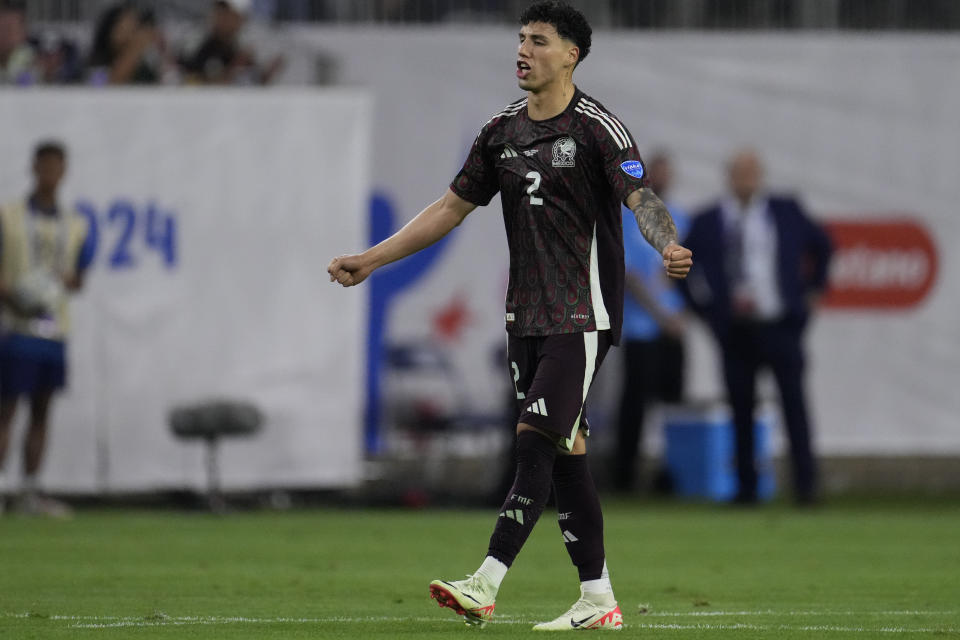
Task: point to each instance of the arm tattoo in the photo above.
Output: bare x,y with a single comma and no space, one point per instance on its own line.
654,220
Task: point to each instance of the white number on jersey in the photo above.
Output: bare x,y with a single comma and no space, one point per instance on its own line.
535,177
516,379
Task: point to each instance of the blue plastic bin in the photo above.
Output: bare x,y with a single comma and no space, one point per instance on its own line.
701,454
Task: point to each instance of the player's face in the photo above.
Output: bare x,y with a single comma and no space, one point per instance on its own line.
48,170
543,57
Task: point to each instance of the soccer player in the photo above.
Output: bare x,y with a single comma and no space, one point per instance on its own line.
45,248
562,164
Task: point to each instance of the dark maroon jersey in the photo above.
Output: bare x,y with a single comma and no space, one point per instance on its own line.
561,183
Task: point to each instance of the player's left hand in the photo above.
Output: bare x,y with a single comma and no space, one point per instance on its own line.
677,260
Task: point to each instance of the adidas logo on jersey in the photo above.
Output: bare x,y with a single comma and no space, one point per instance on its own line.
539,407
508,152
531,152
513,514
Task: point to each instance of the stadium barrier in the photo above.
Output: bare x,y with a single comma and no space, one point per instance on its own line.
215,214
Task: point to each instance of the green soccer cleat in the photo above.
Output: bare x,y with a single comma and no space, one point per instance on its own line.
586,615
472,598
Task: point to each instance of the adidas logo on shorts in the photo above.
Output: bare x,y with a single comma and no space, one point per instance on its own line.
539,407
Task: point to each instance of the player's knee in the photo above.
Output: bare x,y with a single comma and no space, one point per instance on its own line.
523,426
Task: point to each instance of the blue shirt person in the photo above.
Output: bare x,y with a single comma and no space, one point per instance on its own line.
653,352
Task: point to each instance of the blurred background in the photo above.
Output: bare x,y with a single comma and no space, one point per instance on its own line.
223,152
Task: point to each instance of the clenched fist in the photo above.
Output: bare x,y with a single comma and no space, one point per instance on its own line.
677,260
349,270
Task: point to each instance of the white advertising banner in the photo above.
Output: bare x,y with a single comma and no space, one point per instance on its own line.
216,213
863,129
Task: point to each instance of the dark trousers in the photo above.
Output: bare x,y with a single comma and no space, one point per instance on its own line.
652,371
748,347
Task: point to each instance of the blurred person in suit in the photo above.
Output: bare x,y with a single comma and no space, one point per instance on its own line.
761,270
653,327
45,249
221,57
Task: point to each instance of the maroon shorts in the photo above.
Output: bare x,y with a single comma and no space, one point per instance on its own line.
552,375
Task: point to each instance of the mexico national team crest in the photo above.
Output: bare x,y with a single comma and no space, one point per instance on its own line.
564,150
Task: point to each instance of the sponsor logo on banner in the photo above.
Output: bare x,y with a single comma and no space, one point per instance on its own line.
881,264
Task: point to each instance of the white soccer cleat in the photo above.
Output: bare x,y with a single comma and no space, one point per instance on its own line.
586,615
472,598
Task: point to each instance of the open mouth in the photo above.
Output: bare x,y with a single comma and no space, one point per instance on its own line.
522,69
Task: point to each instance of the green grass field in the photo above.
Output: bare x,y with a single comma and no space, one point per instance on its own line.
868,570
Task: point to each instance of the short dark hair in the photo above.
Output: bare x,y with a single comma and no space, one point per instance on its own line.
568,22
50,148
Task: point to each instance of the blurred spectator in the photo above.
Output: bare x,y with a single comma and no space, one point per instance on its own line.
221,59
44,250
59,60
653,353
760,265
126,48
263,9
17,57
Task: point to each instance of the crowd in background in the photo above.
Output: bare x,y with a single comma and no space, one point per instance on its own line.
127,48
126,45
925,15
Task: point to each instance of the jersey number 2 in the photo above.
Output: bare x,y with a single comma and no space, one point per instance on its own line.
535,177
516,380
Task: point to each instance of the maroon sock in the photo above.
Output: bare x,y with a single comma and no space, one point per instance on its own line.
579,515
527,497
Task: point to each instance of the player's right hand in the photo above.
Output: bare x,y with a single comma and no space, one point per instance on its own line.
677,260
349,270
